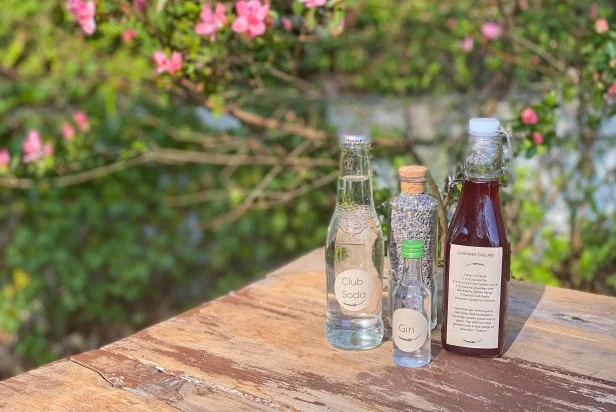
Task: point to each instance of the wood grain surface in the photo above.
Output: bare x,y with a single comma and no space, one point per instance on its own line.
263,348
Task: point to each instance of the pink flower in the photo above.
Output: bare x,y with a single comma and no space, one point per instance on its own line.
68,131
523,4
611,91
467,44
84,13
34,148
594,11
251,17
313,3
491,30
165,64
537,138
82,120
287,23
140,4
601,26
128,35
529,116
338,30
211,21
5,158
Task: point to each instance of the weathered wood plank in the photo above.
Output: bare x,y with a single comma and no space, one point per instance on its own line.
263,348
180,391
64,385
267,342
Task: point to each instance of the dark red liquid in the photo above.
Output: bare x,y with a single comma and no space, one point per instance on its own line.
478,222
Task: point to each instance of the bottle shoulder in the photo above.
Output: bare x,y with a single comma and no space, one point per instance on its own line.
478,221
404,289
417,201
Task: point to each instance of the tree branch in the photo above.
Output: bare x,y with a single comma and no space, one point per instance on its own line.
165,156
62,181
269,123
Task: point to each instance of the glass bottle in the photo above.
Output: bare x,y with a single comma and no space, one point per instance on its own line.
411,310
414,216
477,254
354,255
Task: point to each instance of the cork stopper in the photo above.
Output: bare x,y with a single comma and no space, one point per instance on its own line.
413,178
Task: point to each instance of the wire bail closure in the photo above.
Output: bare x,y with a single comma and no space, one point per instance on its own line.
508,171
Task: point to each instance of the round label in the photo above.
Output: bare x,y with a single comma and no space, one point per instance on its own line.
410,328
353,289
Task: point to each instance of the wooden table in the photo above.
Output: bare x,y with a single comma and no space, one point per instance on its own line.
263,348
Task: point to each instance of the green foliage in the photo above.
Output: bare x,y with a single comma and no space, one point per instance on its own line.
96,257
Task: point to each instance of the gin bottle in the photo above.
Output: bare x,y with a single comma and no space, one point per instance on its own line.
354,255
411,310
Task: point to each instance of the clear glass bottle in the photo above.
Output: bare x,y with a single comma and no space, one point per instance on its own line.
411,310
354,255
414,215
477,253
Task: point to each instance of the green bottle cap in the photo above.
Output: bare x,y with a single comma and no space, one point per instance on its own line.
412,249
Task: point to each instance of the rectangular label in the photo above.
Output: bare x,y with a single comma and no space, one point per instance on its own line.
473,306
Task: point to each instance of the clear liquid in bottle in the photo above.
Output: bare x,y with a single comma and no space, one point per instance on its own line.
411,311
354,258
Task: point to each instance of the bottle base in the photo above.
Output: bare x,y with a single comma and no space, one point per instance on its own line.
482,353
411,362
354,339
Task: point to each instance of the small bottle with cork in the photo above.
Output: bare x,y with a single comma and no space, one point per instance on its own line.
414,216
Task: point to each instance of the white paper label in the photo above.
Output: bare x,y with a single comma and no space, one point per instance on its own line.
473,306
410,329
354,289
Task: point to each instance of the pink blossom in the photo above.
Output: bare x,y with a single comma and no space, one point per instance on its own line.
611,91
82,120
128,35
251,17
5,158
537,138
140,4
491,30
313,3
84,13
452,22
467,44
287,23
523,4
165,64
529,116
338,30
594,11
68,131
34,148
211,21
601,26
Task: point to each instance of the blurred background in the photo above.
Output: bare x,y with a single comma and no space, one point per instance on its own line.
155,154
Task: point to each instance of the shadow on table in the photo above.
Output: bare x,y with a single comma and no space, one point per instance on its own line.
523,300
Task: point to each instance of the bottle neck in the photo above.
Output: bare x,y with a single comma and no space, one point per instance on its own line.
354,184
484,156
411,270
